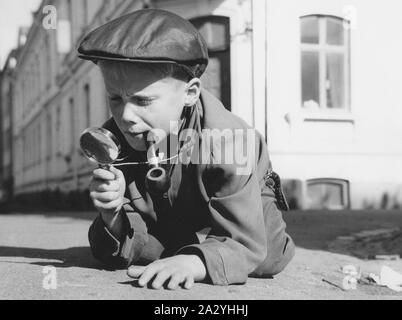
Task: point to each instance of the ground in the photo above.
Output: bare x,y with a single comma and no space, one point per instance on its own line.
30,242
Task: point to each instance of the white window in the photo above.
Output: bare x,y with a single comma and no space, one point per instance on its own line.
325,62
332,194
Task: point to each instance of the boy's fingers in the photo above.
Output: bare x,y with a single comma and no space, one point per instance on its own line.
118,174
110,186
160,279
104,186
113,205
175,281
135,271
103,174
148,274
105,196
189,284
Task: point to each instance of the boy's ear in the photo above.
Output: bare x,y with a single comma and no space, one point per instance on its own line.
193,91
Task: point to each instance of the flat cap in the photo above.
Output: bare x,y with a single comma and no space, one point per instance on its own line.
148,36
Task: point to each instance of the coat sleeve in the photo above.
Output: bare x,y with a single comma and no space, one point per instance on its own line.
136,244
237,243
119,253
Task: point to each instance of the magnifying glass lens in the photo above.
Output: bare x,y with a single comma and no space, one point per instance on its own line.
100,146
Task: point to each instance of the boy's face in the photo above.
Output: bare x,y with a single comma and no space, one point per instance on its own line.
141,99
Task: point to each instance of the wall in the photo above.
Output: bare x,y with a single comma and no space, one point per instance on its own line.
362,146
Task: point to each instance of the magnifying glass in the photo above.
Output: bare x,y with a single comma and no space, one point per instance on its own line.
102,147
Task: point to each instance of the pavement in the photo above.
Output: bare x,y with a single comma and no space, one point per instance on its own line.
46,256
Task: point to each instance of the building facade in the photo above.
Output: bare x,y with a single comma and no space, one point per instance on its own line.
334,118
6,123
319,79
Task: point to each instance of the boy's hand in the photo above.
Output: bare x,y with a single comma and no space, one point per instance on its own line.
175,271
107,191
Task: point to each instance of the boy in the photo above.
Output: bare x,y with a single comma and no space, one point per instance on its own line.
151,61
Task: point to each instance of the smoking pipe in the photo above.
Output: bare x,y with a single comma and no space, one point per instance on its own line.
157,181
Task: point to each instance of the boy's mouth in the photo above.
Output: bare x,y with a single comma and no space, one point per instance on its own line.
136,135
134,132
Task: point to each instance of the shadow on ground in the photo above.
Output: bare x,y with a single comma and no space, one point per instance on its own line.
313,230
80,257
79,215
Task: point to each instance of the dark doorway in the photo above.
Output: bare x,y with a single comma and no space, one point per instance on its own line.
217,78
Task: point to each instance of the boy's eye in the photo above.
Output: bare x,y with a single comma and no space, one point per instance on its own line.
143,102
139,101
115,99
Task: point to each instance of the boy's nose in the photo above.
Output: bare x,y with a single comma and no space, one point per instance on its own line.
129,114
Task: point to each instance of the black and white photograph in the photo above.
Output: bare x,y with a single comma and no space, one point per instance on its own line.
219,151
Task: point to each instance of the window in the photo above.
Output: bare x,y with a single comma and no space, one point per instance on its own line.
328,194
65,29
72,124
38,144
35,146
48,64
87,93
217,78
85,13
49,135
325,62
24,150
58,131
70,15
6,141
38,76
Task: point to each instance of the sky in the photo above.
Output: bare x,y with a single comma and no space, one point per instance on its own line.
14,14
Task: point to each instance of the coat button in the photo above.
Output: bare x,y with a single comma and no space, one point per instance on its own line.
270,183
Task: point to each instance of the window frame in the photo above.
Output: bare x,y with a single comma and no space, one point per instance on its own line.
345,185
225,21
87,101
322,48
